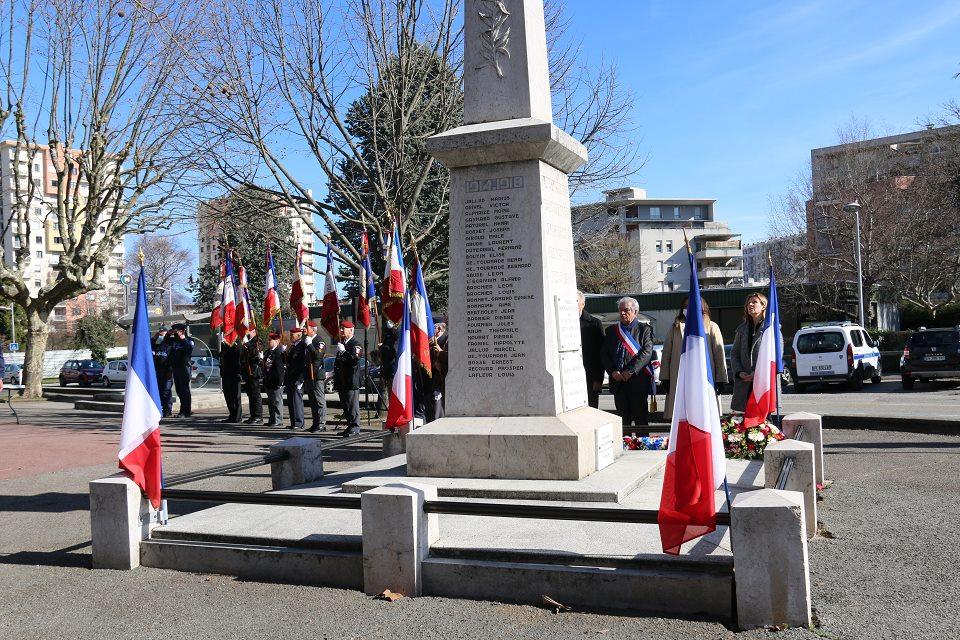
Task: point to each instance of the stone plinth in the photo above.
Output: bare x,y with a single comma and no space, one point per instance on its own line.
801,477
120,519
812,432
304,462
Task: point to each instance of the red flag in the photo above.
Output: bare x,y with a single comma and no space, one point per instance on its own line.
421,319
330,311
216,316
394,285
229,305
366,288
297,304
243,318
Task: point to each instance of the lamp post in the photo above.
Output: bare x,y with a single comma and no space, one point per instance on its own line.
854,208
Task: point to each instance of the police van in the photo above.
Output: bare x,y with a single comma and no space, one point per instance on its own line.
834,352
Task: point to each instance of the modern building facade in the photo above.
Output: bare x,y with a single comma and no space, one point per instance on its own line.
42,234
656,227
785,252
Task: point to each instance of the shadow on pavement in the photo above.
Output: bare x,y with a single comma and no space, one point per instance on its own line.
51,502
893,445
59,558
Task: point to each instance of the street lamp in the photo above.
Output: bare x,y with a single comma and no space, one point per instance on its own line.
854,208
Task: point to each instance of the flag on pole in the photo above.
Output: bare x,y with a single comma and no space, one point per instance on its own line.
297,304
421,319
367,291
330,312
696,465
243,318
400,408
394,282
271,300
763,395
140,453
229,306
216,316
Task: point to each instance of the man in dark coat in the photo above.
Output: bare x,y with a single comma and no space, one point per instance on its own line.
629,383
179,353
591,345
161,364
230,376
295,363
347,378
273,376
315,380
251,365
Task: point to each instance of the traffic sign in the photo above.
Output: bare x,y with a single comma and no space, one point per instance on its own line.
13,347
125,279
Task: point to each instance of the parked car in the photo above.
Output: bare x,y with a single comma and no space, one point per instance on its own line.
13,373
203,370
115,373
786,377
83,372
930,354
834,352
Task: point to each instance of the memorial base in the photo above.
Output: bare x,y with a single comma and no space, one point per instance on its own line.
570,446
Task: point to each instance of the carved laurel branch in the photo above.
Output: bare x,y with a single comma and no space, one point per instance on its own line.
496,37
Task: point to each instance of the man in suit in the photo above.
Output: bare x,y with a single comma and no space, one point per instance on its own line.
230,377
315,380
179,353
295,362
161,364
591,345
347,376
273,377
251,364
624,357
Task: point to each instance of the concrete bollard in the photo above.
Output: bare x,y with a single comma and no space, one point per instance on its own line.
303,465
394,444
812,432
397,535
120,518
769,540
801,478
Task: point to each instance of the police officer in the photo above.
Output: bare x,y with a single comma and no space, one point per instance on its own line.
179,353
273,372
251,364
347,377
315,380
230,377
161,364
295,364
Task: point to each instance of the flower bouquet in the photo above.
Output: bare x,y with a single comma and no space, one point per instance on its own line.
742,443
645,443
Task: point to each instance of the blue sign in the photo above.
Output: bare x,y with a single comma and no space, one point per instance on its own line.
13,347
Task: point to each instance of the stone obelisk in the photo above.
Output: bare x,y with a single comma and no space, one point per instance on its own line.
516,393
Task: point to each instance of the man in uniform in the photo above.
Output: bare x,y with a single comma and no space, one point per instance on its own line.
591,344
230,377
251,364
314,380
179,353
627,350
273,379
295,365
161,364
347,377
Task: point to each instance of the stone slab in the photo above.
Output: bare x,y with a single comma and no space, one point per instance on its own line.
612,484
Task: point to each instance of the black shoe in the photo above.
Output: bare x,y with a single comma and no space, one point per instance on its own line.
350,432
273,423
256,421
168,414
248,421
317,427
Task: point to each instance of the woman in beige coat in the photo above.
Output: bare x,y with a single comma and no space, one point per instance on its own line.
670,360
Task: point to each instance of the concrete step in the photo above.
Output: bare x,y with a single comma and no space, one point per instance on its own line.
112,401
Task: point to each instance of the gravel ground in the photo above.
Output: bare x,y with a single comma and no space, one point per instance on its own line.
882,571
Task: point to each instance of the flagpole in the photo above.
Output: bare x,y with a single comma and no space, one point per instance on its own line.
776,381
162,513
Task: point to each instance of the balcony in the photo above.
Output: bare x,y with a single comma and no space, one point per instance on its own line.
719,273
719,253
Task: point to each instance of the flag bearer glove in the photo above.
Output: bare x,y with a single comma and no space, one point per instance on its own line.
340,347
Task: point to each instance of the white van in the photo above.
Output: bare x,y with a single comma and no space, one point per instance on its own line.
834,352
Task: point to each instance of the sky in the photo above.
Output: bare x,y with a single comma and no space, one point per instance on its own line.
731,97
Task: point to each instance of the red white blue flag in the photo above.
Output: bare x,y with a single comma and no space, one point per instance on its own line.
367,290
763,395
243,314
421,319
330,311
229,305
271,301
394,283
216,316
140,450
696,465
297,294
400,409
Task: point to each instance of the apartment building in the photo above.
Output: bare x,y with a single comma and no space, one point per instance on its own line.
656,227
785,252
42,234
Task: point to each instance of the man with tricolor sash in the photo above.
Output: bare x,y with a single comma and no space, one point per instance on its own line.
627,350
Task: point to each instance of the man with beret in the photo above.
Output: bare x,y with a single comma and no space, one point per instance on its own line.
251,365
347,378
314,380
230,376
295,364
179,353
273,379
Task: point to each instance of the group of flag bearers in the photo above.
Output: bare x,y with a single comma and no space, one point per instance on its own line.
695,466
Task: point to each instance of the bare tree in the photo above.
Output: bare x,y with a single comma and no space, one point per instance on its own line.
94,107
166,263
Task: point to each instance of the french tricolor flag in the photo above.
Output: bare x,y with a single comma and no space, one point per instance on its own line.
140,431
367,290
394,285
763,396
696,465
297,294
421,319
400,409
216,316
271,301
330,311
229,305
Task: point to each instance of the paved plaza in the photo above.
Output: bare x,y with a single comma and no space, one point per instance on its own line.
880,570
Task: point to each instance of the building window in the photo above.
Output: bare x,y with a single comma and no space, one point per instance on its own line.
660,266
676,213
698,213
663,286
654,213
55,183
103,229
38,239
36,283
673,286
659,246
57,240
670,266
669,246
39,254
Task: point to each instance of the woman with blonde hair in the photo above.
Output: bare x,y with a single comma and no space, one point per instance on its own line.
672,346
746,349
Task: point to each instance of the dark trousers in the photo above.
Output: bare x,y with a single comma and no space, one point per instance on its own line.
165,382
275,405
295,405
231,393
181,379
593,397
350,401
256,400
630,399
317,400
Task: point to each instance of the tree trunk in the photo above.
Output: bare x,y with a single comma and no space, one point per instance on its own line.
37,333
